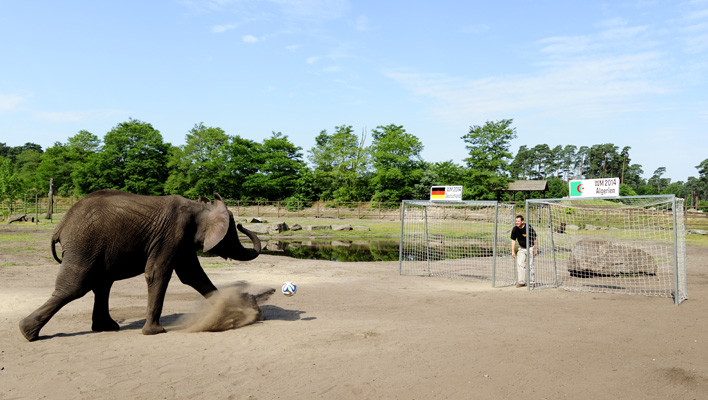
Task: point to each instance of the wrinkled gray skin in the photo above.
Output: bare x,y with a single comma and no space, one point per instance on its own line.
111,235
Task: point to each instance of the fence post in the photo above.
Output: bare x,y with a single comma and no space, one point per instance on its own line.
400,240
494,246
677,286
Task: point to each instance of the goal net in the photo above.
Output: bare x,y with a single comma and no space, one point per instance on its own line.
629,245
457,239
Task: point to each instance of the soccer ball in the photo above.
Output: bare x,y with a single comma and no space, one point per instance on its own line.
289,288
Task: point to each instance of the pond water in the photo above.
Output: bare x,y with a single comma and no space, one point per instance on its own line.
346,250
334,250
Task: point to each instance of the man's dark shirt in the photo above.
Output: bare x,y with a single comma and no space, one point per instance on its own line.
520,235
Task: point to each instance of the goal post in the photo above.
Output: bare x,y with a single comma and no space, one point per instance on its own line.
457,239
628,245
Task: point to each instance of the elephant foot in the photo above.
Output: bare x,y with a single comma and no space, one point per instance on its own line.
153,329
106,325
29,329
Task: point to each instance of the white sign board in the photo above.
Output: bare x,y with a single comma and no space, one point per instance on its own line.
609,187
446,193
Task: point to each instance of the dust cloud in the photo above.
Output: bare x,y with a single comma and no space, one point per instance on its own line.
230,308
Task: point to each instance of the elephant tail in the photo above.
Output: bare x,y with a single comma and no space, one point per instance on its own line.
55,240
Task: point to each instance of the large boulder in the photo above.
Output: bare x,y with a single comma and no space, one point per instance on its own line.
604,258
279,227
258,228
317,227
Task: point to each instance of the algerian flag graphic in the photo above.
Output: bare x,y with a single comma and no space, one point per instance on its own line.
576,188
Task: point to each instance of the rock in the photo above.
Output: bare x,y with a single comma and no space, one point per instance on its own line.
346,227
275,245
697,232
18,218
560,228
317,227
604,258
296,227
572,227
258,228
277,228
361,228
589,227
258,220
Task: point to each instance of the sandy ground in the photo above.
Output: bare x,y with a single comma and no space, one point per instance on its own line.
357,330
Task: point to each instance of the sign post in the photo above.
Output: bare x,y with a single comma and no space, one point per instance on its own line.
449,193
608,187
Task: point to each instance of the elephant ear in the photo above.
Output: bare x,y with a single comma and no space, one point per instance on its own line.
217,224
204,200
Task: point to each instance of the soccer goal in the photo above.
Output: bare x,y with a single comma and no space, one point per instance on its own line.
629,245
457,239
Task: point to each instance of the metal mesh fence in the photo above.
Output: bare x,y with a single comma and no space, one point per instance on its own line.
462,239
629,245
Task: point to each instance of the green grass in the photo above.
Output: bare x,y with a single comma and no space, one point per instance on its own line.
378,229
19,249
697,240
18,237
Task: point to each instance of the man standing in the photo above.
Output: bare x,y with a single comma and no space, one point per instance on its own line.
518,233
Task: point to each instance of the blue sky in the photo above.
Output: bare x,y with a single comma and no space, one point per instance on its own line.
630,73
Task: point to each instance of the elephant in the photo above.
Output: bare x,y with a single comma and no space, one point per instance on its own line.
111,235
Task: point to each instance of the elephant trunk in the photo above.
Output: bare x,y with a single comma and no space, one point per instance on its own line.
249,254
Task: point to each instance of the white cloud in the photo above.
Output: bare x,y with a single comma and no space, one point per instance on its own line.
312,60
586,89
333,68
293,47
565,44
318,9
697,14
10,102
362,23
250,39
694,28
612,71
223,28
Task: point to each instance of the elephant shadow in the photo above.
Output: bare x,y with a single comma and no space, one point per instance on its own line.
270,312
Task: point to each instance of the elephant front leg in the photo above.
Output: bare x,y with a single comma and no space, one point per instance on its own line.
157,287
192,274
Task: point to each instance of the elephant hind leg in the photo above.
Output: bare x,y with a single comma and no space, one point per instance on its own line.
101,319
33,323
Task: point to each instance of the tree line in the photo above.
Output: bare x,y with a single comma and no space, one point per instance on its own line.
343,165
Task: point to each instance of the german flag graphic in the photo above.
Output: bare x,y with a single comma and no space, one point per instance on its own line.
437,193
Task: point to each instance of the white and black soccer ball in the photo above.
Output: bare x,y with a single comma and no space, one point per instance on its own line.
289,288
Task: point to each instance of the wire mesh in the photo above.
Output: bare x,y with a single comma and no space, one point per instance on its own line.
465,239
630,245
